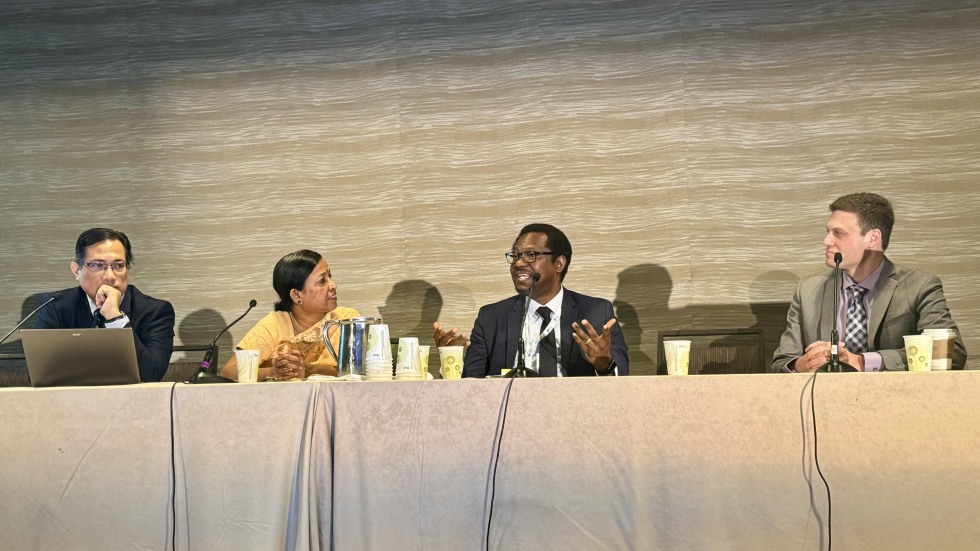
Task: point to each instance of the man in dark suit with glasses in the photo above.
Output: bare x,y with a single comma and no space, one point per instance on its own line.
104,298
566,334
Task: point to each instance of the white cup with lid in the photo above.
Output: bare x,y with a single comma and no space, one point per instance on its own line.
943,341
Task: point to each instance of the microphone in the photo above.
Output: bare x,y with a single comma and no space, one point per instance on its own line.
206,374
521,370
835,365
29,316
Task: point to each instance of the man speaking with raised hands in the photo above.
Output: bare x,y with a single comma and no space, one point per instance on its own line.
567,334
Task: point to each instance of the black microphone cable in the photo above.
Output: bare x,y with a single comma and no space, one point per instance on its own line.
173,472
812,383
497,440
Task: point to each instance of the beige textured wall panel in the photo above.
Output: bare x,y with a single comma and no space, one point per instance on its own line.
689,149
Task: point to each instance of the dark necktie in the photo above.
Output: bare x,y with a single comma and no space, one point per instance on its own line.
98,320
547,351
856,330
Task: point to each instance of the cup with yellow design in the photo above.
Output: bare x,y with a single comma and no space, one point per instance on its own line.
407,366
918,352
451,362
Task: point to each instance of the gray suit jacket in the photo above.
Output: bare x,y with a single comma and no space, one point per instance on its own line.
906,302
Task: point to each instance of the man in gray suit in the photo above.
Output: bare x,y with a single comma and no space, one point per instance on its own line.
879,301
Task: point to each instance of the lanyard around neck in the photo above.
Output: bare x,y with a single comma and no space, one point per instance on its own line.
531,347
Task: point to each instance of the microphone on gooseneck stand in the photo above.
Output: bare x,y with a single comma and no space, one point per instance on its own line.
29,316
521,370
835,365
209,355
206,374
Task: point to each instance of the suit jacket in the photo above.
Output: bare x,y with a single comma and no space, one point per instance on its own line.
152,321
493,341
906,302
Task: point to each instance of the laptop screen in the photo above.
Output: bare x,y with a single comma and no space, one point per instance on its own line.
80,357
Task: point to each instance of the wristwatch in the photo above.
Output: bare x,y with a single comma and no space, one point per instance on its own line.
611,369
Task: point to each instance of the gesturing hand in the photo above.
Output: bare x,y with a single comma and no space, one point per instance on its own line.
596,347
443,337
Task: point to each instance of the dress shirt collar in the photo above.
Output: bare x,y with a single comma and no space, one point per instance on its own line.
554,305
870,283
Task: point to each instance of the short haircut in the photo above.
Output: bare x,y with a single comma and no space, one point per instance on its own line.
95,236
557,242
873,212
290,273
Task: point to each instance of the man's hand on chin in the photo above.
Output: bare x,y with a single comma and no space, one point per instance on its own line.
108,299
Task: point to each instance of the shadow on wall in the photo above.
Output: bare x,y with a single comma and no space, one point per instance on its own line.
642,306
771,316
199,327
411,308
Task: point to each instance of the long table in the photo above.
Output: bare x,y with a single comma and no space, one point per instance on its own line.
700,462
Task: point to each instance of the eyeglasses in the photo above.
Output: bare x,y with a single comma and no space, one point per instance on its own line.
98,266
526,256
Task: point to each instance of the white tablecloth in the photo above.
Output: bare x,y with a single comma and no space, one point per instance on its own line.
706,462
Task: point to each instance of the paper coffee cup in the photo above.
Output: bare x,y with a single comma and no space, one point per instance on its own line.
451,362
424,358
247,362
378,369
408,355
918,351
943,341
379,344
678,355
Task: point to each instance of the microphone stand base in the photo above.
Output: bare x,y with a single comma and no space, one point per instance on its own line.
521,373
837,367
205,378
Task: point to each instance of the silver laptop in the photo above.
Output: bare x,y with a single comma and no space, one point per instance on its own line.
77,357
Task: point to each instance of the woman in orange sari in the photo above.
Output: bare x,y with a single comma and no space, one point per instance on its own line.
289,339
